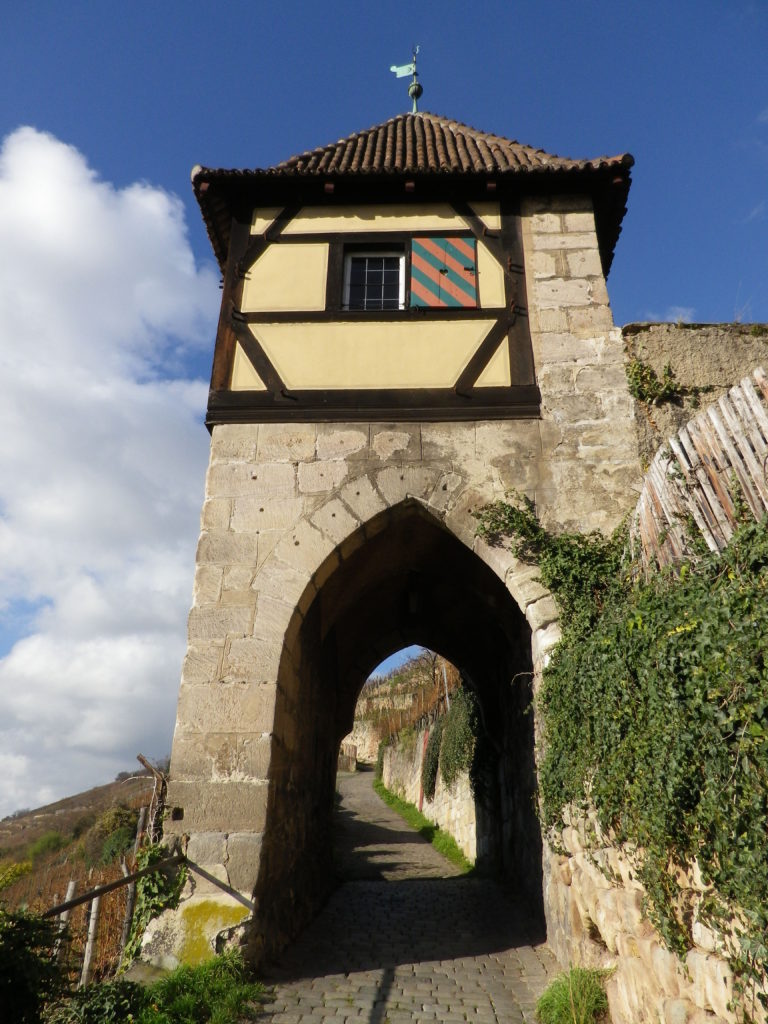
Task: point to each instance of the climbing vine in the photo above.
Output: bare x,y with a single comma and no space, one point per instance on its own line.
655,713
461,727
456,745
156,892
581,570
431,762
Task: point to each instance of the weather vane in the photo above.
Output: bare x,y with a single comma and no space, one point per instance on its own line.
414,89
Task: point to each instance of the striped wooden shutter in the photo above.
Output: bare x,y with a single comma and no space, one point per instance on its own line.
444,271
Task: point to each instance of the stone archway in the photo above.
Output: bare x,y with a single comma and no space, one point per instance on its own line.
289,511
404,578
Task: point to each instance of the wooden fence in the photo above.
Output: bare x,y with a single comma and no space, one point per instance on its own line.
708,477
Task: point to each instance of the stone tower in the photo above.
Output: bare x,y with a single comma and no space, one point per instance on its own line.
414,322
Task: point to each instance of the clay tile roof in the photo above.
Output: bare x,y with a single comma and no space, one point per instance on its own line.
419,144
427,144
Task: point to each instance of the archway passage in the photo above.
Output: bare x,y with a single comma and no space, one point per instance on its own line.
405,579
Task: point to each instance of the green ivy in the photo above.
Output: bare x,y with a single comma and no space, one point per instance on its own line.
431,761
581,570
156,892
458,747
654,709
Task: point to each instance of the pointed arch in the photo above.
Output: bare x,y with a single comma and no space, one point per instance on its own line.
400,577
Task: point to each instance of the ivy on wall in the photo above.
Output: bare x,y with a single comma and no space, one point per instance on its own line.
455,745
429,767
654,709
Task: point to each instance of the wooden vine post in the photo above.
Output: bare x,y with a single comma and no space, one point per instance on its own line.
63,919
90,945
131,894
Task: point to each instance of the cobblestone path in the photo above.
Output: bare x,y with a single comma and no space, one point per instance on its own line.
404,940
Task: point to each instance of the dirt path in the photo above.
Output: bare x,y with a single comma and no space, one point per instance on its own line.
403,939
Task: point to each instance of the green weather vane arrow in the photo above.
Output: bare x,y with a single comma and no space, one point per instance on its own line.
402,71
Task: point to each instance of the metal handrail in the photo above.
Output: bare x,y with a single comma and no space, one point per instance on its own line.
178,858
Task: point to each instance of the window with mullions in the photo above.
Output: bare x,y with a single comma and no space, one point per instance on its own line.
374,280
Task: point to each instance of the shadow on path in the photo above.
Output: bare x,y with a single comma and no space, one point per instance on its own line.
400,902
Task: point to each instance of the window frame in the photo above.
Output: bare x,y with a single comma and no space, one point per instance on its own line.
363,251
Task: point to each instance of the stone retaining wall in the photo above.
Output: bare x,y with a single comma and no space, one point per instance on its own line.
594,908
452,809
706,359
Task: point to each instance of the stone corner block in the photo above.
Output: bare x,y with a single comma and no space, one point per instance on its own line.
220,806
243,852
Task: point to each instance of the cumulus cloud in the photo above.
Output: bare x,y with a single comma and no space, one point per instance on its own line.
101,465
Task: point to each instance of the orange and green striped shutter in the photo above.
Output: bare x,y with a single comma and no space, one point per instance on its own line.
444,271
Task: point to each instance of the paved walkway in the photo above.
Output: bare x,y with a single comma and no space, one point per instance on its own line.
403,939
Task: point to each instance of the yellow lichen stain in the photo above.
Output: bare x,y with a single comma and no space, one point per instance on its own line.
202,920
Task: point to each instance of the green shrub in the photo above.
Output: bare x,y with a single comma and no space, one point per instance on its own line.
432,759
645,385
110,1002
10,873
48,843
216,992
118,843
97,844
577,997
30,976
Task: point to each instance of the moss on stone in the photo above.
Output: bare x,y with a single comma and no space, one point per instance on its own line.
201,921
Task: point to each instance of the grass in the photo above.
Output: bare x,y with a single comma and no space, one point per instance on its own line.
442,842
219,991
577,997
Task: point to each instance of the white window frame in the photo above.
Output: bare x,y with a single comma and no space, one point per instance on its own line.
349,256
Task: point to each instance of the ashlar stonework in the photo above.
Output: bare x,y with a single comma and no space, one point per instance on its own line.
287,505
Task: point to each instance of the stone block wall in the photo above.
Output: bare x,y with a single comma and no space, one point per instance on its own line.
453,807
708,358
287,505
595,917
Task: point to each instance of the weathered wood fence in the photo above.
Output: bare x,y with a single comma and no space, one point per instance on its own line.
710,475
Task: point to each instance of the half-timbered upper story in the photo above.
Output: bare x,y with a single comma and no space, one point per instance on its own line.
383,276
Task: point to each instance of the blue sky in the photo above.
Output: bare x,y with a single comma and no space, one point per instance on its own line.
108,291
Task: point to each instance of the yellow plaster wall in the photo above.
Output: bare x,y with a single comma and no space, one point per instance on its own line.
490,279
366,355
262,218
287,277
497,373
432,217
244,377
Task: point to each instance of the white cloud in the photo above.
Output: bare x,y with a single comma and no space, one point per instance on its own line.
101,465
762,117
679,314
